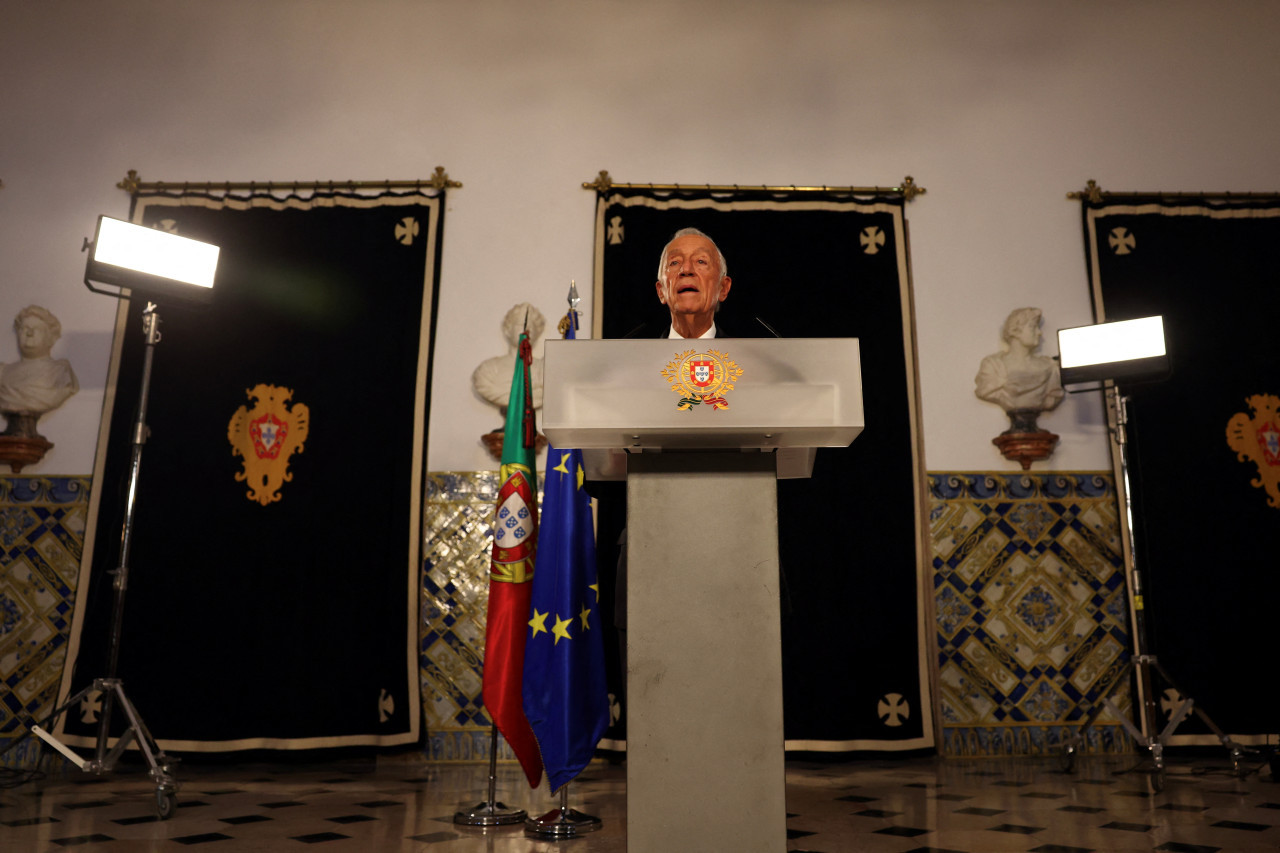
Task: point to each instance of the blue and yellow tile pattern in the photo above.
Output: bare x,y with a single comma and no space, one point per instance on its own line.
42,524
1028,593
455,595
1031,609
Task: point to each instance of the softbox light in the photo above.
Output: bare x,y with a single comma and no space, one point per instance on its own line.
1133,350
154,264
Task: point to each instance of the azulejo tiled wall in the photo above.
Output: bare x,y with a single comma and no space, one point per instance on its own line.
42,523
1031,610
1029,597
1029,600
455,596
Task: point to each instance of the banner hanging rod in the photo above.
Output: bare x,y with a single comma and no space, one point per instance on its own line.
908,189
438,181
1094,193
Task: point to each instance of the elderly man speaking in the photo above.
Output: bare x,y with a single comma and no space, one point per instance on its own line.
692,282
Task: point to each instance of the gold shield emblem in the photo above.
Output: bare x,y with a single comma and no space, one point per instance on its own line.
265,437
1257,439
702,377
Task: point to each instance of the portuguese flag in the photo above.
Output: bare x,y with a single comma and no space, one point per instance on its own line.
515,542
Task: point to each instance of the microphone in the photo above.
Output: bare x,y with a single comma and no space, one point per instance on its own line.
636,331
772,330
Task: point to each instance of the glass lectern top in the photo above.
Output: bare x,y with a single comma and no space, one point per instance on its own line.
693,394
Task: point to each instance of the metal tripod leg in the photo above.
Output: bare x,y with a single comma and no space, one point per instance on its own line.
39,729
1155,745
1188,705
1155,742
1071,745
159,764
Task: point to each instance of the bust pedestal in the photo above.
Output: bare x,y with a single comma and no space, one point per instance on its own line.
20,444
20,452
1026,447
1024,441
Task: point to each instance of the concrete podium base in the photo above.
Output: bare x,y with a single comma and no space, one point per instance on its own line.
704,659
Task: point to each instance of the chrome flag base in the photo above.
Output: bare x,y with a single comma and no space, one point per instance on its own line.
490,814
562,822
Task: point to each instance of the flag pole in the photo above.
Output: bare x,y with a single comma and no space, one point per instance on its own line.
490,812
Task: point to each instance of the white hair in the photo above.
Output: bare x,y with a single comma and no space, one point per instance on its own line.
689,232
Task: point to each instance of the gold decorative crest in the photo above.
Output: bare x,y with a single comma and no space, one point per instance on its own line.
266,436
702,377
1257,439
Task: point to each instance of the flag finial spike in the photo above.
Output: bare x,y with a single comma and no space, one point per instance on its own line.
569,322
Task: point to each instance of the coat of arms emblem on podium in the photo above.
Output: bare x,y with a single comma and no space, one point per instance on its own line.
702,377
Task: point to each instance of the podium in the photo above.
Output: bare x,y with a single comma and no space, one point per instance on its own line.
701,430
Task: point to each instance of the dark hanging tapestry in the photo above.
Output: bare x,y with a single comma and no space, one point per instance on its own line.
1204,458
274,568
855,657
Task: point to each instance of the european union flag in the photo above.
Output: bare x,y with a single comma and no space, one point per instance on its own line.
566,699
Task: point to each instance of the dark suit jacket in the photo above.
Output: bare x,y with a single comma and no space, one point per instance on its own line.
753,328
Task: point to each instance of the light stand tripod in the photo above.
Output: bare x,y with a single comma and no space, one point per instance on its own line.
110,687
1141,663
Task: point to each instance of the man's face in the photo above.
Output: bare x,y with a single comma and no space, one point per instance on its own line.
693,282
34,338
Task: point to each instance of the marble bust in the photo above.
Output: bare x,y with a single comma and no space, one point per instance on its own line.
492,379
37,383
1016,378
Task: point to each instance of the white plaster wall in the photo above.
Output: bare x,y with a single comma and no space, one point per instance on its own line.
997,108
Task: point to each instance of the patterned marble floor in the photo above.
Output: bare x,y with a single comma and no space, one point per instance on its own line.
400,803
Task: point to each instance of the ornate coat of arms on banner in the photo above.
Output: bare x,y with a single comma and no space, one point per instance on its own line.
265,437
1257,439
702,377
